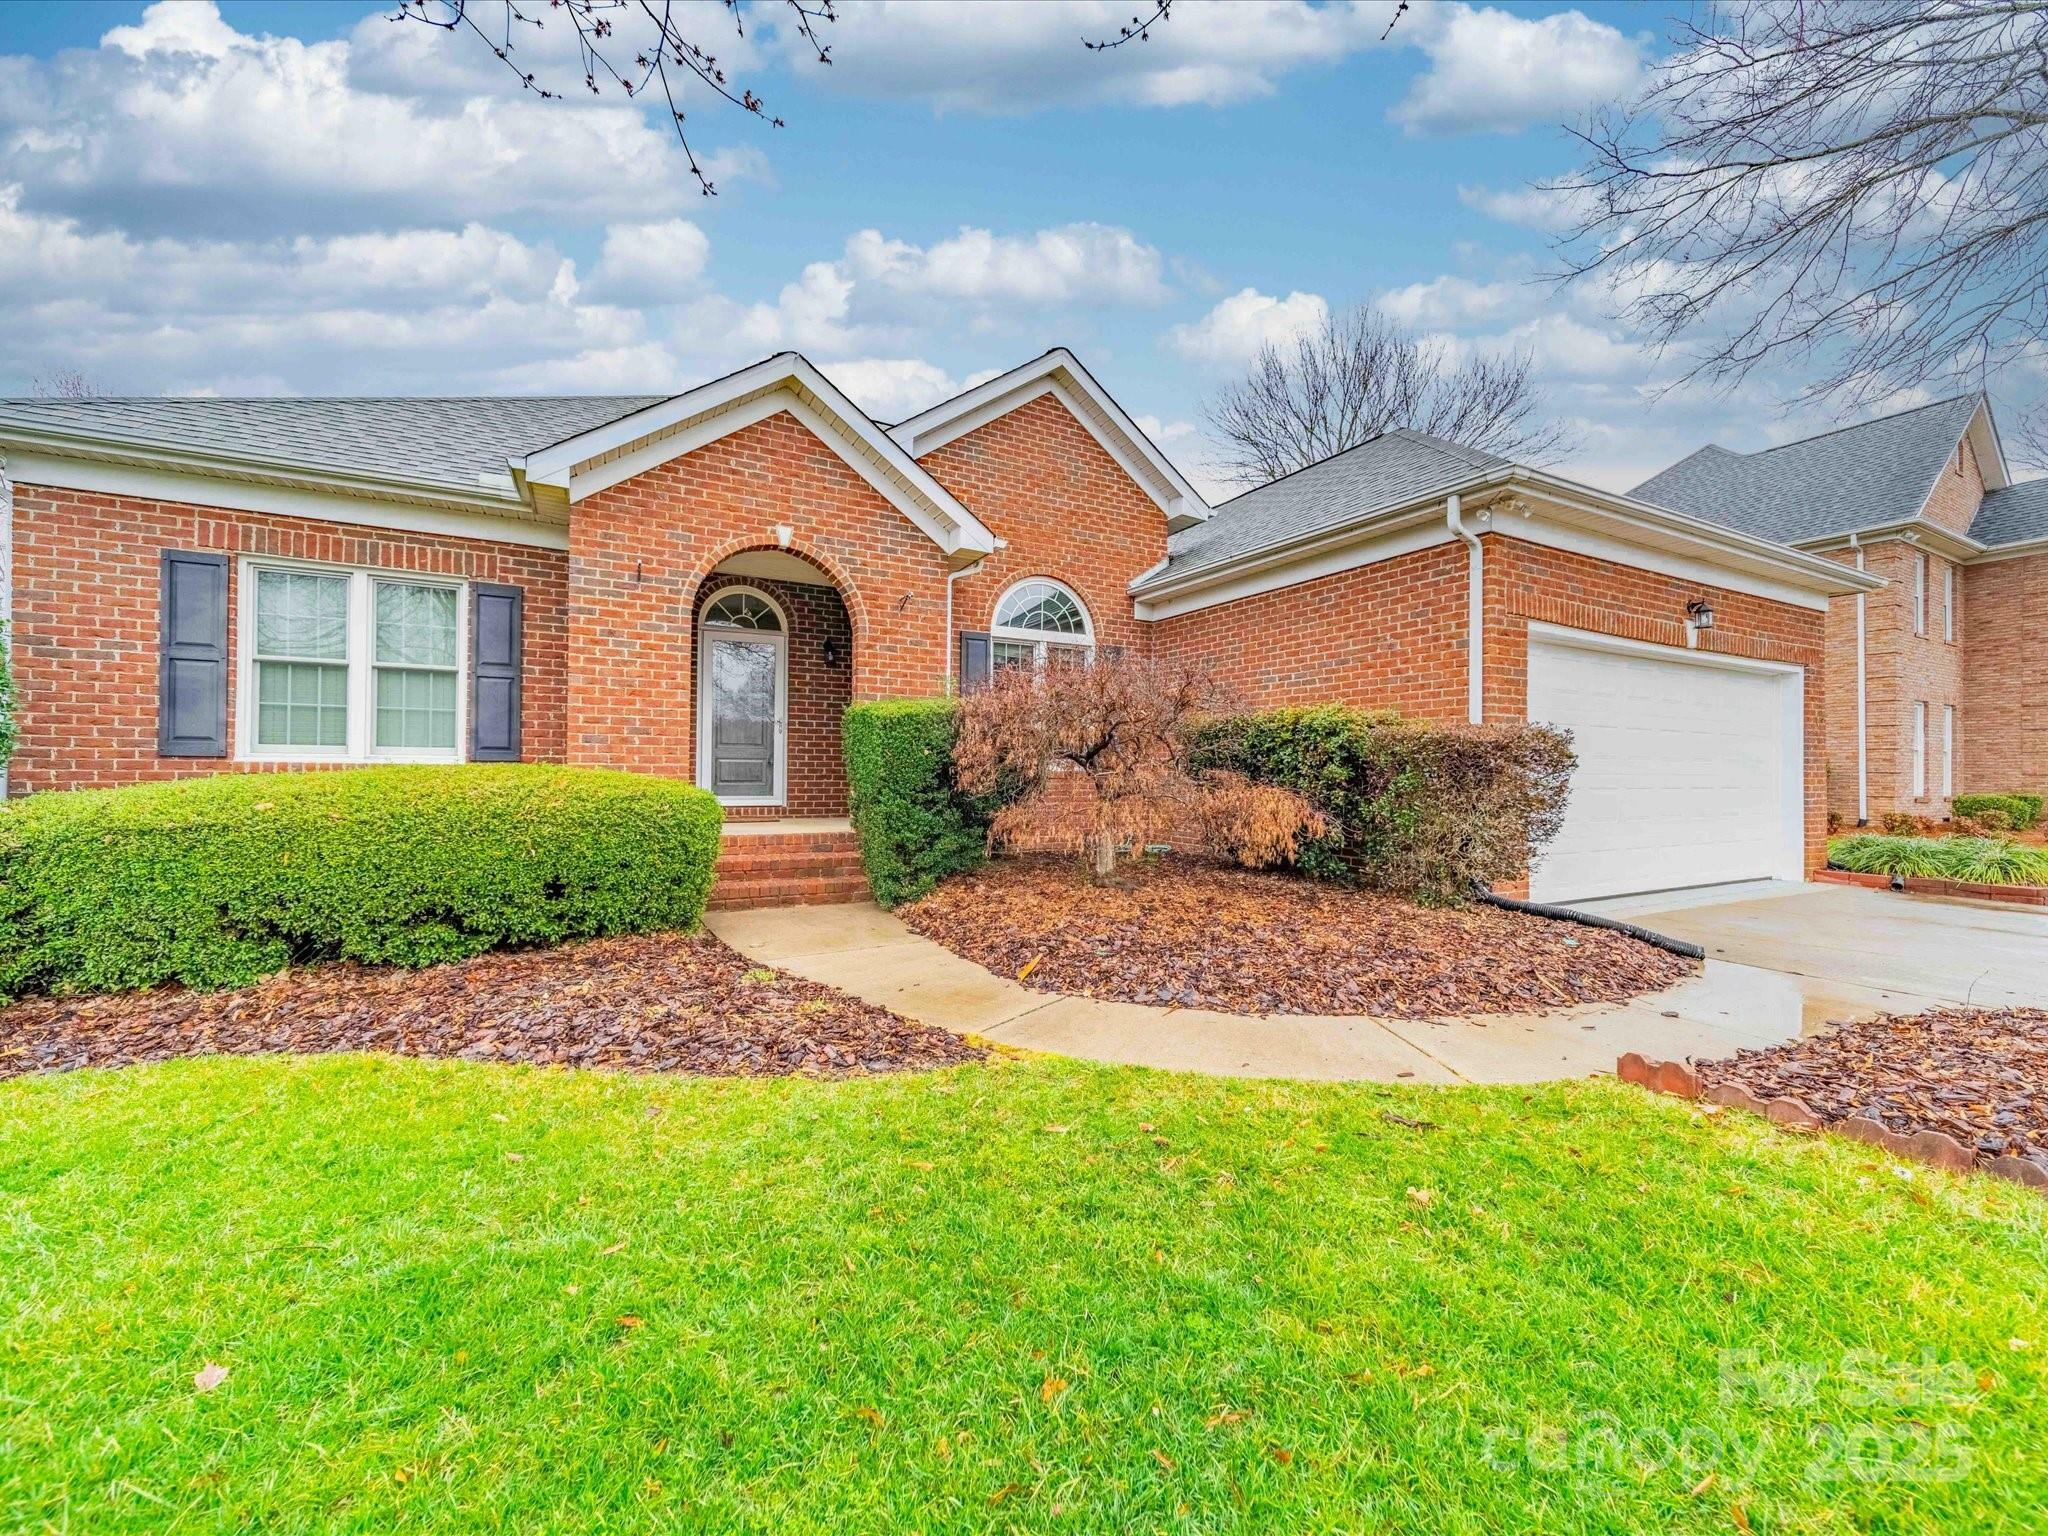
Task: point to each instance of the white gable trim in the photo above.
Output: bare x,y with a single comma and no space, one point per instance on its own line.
591,461
1060,374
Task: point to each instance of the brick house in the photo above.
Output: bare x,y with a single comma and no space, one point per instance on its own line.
1933,682
697,585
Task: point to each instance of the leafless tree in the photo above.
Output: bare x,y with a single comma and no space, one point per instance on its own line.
1862,187
64,384
1358,374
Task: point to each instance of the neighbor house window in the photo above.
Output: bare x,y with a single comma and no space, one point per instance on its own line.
1919,593
1948,749
350,665
1040,623
1919,751
1948,603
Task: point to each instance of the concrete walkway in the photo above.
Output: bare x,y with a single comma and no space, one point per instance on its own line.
863,950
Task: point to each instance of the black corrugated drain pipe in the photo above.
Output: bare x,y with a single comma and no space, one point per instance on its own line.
1589,920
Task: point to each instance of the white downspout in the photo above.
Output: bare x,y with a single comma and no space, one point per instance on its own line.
1475,611
952,640
1862,754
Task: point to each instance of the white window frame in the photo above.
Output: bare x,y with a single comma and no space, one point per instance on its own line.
1948,750
1919,749
1919,592
779,794
1041,641
362,668
1948,603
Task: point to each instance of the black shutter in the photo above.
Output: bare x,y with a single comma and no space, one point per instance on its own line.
192,650
497,616
974,661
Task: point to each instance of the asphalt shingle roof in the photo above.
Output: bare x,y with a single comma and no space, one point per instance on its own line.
1864,476
1383,472
2013,515
447,440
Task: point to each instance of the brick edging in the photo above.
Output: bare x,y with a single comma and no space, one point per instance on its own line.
1936,1148
1917,885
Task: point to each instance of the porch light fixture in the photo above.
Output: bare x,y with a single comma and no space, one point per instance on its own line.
1699,613
832,653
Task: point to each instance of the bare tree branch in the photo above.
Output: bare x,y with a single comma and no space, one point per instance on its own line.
1864,185
664,56
1139,29
64,384
1359,374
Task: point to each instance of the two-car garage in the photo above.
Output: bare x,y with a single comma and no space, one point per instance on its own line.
1691,765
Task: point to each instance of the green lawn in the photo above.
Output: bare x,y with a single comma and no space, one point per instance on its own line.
1033,1296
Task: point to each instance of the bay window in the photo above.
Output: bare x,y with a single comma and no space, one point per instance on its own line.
350,665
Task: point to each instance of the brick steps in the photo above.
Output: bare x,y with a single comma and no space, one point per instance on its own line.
788,869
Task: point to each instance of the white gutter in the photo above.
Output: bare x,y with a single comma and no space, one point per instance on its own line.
1862,709
1475,610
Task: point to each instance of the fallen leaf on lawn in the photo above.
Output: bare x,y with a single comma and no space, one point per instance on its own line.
1162,1458
627,1320
515,1157
923,1164
1225,1416
1051,1388
1703,1485
618,1247
1056,1130
1003,1492
571,1288
1280,1454
209,1376
1735,1513
871,1415
2018,1344
1147,1127
1421,1196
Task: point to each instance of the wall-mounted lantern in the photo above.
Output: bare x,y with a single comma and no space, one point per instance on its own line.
1699,614
833,653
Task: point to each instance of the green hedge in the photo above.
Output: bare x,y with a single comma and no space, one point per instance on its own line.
217,881
1980,860
7,726
2020,811
915,825
1422,810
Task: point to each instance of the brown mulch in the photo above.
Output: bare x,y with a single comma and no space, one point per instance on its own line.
658,1003
1977,1074
1187,933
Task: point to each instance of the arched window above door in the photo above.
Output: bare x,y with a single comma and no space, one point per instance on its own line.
742,608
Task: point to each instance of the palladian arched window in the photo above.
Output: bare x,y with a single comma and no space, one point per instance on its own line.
1041,623
742,609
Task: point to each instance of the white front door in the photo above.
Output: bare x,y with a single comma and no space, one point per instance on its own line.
741,693
1691,768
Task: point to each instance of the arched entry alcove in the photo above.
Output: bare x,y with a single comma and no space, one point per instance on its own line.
772,676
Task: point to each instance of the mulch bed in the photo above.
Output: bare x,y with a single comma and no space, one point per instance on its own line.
1186,933
1977,1074
660,1003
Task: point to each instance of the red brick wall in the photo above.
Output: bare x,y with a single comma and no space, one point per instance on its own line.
1391,635
815,774
1067,510
1957,492
2005,676
86,582
640,550
1901,668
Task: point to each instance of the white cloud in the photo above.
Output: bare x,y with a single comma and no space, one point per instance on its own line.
1081,265
652,263
1493,71
1013,56
1452,301
1232,333
891,388
181,124
1533,207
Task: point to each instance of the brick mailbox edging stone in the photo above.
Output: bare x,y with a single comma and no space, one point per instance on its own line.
1678,1079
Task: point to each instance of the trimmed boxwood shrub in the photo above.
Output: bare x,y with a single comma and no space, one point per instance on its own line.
915,825
217,881
2021,811
1427,811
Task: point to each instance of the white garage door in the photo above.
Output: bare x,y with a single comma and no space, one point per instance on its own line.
1689,766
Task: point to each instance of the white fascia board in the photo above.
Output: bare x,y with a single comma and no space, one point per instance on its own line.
1551,534
1945,542
1388,542
2017,550
199,490
785,382
1087,401
1983,435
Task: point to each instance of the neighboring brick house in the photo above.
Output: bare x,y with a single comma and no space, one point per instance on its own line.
697,585
1934,682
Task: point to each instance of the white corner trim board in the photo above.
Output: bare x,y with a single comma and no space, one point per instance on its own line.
6,582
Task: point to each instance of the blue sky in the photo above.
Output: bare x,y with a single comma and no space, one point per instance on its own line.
307,198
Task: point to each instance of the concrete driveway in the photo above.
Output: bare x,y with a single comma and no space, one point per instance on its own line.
1867,946
1782,961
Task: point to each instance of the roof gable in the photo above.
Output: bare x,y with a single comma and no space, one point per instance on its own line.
587,462
1874,474
1060,374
